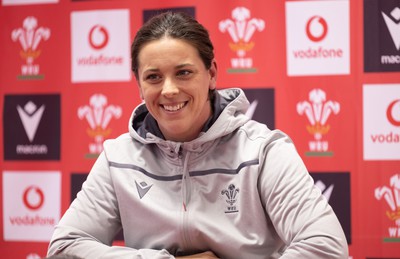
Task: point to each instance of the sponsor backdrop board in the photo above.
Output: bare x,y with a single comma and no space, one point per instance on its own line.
325,72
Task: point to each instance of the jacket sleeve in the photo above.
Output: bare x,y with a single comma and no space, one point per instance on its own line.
88,227
299,212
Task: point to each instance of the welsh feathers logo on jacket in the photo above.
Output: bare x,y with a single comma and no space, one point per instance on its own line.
231,198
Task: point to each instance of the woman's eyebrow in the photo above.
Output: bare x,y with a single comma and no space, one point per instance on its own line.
184,65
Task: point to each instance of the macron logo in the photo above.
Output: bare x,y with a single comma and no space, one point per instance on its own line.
30,117
394,25
142,188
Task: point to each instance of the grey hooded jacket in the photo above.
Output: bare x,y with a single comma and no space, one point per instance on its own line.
239,190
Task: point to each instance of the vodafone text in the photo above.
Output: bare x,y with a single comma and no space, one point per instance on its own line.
318,53
32,221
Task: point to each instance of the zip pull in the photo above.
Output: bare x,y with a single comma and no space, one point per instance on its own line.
180,153
184,206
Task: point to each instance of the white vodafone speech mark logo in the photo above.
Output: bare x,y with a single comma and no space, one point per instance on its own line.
316,28
33,197
98,37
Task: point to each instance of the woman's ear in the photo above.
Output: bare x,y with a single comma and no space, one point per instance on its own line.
213,74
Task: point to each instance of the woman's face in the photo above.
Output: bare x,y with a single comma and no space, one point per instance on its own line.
174,84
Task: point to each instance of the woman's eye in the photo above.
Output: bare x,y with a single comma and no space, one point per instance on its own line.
184,73
153,77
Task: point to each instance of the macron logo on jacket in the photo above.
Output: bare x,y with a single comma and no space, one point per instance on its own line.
142,188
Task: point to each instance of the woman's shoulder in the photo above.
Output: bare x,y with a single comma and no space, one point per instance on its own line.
259,131
118,144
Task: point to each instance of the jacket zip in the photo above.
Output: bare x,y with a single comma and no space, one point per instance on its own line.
185,198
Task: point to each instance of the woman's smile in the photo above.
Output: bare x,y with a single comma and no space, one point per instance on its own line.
173,107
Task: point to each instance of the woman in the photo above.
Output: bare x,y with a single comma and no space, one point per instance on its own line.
195,177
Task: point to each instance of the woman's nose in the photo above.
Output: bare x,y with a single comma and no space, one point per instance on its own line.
169,88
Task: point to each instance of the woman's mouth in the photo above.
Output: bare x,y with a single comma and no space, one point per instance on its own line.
173,108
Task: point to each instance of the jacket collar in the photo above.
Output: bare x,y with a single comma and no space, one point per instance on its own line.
144,127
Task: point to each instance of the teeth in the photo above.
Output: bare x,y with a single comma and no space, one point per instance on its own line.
174,107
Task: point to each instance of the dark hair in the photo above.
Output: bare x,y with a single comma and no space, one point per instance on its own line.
175,25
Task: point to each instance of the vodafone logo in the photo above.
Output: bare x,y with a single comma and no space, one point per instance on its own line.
316,28
100,45
381,121
98,37
317,36
33,197
31,205
393,112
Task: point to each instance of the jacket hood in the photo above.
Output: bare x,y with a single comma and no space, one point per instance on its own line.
229,106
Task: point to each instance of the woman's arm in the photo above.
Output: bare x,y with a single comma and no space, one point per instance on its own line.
300,214
88,227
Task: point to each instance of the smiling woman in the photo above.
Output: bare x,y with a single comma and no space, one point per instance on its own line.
195,177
